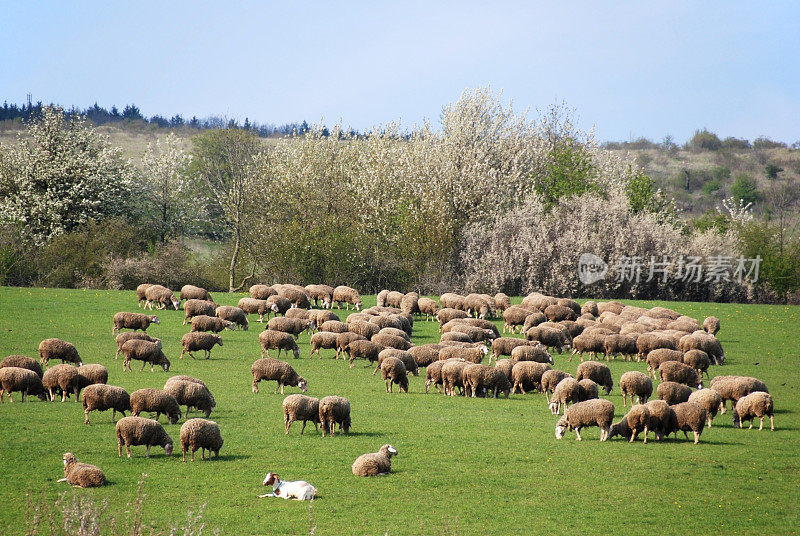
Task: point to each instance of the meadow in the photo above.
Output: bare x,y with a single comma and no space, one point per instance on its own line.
465,466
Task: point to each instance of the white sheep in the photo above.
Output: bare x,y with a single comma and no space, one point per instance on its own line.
299,490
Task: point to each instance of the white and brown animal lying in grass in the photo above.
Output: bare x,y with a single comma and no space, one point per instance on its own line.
299,489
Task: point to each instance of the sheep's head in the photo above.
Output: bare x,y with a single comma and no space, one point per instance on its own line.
154,319
271,479
274,308
218,340
174,417
346,423
301,383
296,353
484,349
737,421
164,363
388,451
561,427
553,407
358,305
176,303
69,458
168,448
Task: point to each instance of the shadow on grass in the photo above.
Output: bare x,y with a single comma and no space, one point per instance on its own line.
229,457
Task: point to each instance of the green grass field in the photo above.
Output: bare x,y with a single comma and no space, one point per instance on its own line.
465,466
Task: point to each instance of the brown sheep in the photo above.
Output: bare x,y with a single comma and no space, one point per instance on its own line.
58,349
81,475
133,321
199,340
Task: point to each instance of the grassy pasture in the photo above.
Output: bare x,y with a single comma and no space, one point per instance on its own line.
466,466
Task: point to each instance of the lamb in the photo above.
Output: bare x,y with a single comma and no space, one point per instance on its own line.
598,373
620,344
635,383
447,314
321,294
93,373
364,350
673,393
661,355
566,392
300,408
711,325
473,355
394,371
549,337
347,295
323,339
709,399
140,292
22,361
672,371
133,321
700,340
343,341
81,475
550,379
191,394
735,387
514,317
502,301
198,340
253,306
483,377
211,323
375,463
191,292
428,307
195,308
101,397
690,416
64,378
278,340
698,360
155,401
271,369
160,295
299,489
425,354
647,342
634,422
528,374
391,341
453,375
141,431
58,349
596,412
261,292
333,410
450,300
20,379
756,404
505,345
593,343
144,351
233,314
201,434
122,338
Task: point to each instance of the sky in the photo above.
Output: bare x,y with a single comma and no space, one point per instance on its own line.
627,69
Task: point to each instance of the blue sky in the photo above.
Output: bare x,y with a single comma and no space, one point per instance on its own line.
628,68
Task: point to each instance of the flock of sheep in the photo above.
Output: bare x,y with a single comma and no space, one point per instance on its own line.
678,352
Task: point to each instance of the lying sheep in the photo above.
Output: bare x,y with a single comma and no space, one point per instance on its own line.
101,397
140,293
483,377
191,394
93,373
323,339
269,369
233,314
673,393
425,354
278,340
63,378
201,434
528,374
690,416
598,373
633,423
428,307
155,401
635,383
375,463
711,325
334,410
596,412
261,292
81,475
20,379
58,349
343,341
295,326
698,360
122,338
348,295
253,306
756,404
133,321
22,361
195,308
550,379
191,292
735,387
144,351
161,296
198,340
140,431
300,408
394,371
709,399
672,371
211,323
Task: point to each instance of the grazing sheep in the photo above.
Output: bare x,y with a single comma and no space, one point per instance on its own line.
297,295
533,320
590,389
635,383
323,339
321,294
211,323
58,349
590,307
656,357
456,336
195,308
596,412
320,316
567,391
385,321
253,306
348,295
531,353
407,359
672,371
201,434
483,377
598,373
299,490
450,300
647,342
140,292
505,345
269,369
395,332
144,351
133,321
700,340
393,299
593,343
364,350
299,407
198,340
81,475
690,416
453,376
425,354
101,397
278,340
527,376
663,420
550,379
735,387
559,313
502,301
334,326
93,373
709,399
473,355
155,401
394,371
233,314
261,292
673,393
161,296
343,341
191,393
191,292
549,337
476,306
295,326
433,375
410,303
505,366
711,325
756,404
64,378
140,431
446,314
391,341
22,361
122,338
20,379
334,410
514,317
620,344
375,463
365,329
428,307
474,333
633,423
698,360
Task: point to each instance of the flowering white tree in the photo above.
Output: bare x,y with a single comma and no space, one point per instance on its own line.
165,167
60,174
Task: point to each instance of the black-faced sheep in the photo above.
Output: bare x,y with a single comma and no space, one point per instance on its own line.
299,407
198,340
334,410
144,351
598,373
690,417
201,434
672,371
527,376
596,412
122,338
375,463
161,296
133,321
709,399
233,314
483,377
191,292
58,349
155,401
64,378
101,397
635,383
22,361
211,323
133,431
269,369
756,404
81,475
347,295
673,393
394,371
20,379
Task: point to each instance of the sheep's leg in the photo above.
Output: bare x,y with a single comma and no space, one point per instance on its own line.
578,434
127,450
376,369
634,433
147,452
303,428
287,422
696,437
761,423
645,434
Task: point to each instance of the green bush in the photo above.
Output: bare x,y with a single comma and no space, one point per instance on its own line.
763,142
780,264
711,186
744,187
736,144
704,140
771,170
